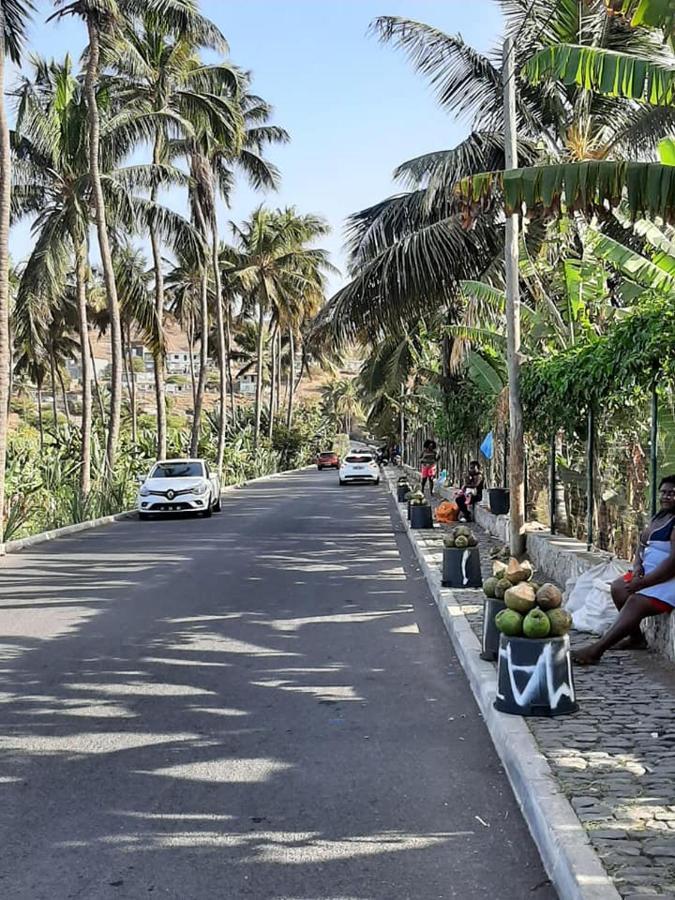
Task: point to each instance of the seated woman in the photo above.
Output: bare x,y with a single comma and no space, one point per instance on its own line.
471,493
649,589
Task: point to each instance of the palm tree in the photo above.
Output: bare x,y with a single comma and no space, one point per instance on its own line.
161,72
215,156
274,253
14,15
52,182
413,250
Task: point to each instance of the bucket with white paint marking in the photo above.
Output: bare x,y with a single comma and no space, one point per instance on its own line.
401,491
491,634
421,517
534,677
461,567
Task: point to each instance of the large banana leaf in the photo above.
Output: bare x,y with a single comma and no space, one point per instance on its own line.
484,375
649,189
633,265
605,71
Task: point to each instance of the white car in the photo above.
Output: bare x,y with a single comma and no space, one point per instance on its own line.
359,465
179,485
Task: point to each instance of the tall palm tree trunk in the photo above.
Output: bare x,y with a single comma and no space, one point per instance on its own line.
291,377
52,378
273,382
222,349
203,357
64,397
91,78
5,201
41,425
96,384
259,372
277,407
131,383
230,372
85,354
191,350
158,359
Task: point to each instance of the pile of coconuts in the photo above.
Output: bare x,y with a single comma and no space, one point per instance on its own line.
461,537
416,498
532,610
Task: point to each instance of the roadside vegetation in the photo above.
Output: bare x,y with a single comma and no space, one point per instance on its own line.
90,152
595,107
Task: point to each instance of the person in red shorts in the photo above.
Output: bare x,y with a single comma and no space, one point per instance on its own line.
649,590
428,465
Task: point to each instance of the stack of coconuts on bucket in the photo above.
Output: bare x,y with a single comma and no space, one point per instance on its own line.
532,610
460,538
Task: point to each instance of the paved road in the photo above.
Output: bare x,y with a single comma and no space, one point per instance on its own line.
260,705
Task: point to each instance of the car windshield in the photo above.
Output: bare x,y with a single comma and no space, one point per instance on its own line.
327,454
359,459
178,470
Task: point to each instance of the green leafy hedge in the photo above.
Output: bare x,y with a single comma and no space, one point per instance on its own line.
607,370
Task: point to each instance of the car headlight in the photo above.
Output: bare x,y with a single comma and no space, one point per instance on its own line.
144,491
200,488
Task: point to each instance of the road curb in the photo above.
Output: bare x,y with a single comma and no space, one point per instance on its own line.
44,536
568,857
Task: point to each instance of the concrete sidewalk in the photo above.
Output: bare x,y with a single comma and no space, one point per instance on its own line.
615,759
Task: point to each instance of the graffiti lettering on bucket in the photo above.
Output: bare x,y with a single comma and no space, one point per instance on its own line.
465,558
540,675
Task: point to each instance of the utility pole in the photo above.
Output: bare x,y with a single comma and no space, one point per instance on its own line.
517,448
402,424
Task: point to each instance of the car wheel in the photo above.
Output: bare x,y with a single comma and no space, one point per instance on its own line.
341,482
217,506
319,468
144,517
378,481
208,512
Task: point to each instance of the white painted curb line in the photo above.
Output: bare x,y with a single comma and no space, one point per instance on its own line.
566,851
44,536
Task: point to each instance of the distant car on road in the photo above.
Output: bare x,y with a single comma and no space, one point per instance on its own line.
359,466
179,485
328,459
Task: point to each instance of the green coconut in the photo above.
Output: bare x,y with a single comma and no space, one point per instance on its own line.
502,587
536,624
489,586
461,541
448,541
509,622
561,621
549,596
462,531
521,598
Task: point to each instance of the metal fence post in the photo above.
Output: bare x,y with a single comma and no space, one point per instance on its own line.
589,475
552,485
654,448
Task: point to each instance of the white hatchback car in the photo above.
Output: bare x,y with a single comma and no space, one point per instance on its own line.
359,465
179,485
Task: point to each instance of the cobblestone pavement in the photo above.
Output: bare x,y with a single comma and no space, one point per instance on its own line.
615,759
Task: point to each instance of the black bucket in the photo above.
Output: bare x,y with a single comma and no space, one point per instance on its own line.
461,567
491,634
409,508
401,491
421,517
500,501
534,677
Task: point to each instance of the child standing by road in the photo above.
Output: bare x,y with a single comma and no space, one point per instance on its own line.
428,465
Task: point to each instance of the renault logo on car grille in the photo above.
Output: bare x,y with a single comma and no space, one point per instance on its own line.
170,494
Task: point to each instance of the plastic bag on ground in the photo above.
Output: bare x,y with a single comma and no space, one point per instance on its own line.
589,600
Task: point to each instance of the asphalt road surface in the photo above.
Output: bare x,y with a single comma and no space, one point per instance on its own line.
264,704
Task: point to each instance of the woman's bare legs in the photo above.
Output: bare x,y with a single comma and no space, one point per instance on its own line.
620,593
633,610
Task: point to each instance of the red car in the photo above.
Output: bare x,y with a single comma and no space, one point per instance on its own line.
327,460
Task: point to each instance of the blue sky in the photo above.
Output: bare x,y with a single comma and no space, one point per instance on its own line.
354,108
